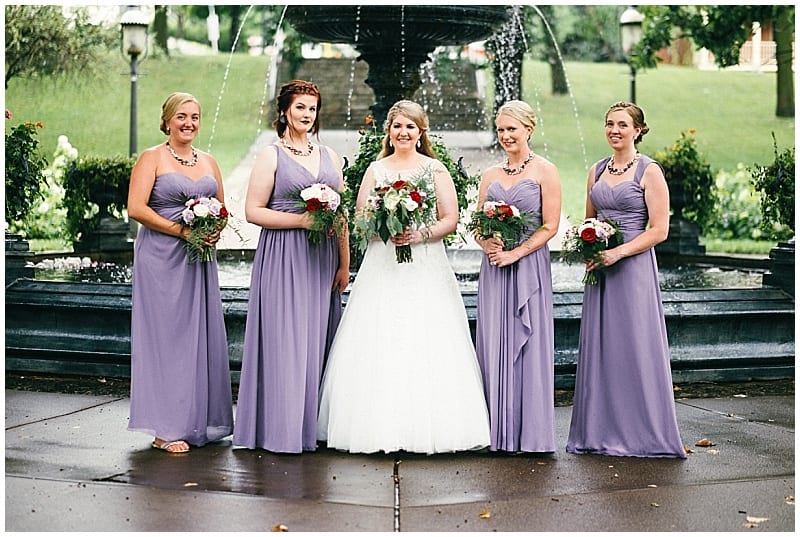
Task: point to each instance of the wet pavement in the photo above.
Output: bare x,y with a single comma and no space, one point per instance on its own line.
71,465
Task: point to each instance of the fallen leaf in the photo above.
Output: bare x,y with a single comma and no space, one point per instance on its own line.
652,486
712,451
485,514
654,504
789,500
755,519
190,484
280,527
705,442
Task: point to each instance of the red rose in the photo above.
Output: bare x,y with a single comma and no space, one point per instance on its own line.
397,185
505,210
223,212
589,235
416,196
313,205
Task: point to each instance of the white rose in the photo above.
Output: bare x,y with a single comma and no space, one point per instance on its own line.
410,204
200,210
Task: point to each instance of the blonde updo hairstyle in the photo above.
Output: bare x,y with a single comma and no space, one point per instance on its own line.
637,115
520,111
171,105
415,113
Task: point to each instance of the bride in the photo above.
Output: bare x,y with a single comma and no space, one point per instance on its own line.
402,374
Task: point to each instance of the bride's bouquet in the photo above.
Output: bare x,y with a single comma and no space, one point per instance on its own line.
585,241
204,216
500,220
394,207
324,204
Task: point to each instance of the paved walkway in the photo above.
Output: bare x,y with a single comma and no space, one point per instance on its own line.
72,466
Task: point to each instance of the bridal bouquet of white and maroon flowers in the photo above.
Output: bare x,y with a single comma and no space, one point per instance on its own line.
395,206
203,216
585,241
500,220
324,204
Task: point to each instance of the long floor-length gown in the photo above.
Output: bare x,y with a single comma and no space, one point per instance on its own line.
514,337
180,376
292,315
402,373
624,403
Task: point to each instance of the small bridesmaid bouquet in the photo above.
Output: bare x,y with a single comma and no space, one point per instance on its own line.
324,204
394,207
204,216
585,241
500,220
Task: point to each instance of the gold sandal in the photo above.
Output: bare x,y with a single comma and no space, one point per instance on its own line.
164,446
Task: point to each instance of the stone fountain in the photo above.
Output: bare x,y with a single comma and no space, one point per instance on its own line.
395,40
83,328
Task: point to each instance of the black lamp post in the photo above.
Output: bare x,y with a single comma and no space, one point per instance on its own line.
133,30
630,25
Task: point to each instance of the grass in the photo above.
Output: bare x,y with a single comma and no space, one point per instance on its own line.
732,112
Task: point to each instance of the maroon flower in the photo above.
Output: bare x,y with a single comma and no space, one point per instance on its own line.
589,235
415,196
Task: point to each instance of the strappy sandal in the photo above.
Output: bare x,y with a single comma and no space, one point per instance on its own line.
164,446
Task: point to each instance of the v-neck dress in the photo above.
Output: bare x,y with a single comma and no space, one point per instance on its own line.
180,376
624,403
514,336
291,318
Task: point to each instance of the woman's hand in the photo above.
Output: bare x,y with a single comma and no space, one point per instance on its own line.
604,259
490,245
341,279
503,258
402,239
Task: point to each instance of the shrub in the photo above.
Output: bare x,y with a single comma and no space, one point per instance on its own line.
736,214
95,187
369,146
24,177
690,180
776,183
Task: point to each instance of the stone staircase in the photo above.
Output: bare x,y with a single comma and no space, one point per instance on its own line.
453,99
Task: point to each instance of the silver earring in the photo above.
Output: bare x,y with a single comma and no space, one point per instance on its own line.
390,144
419,143
282,119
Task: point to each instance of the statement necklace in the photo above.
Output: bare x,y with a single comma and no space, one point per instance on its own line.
297,151
613,171
182,160
516,171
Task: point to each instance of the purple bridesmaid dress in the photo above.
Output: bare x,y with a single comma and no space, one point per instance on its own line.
291,319
514,338
180,377
624,404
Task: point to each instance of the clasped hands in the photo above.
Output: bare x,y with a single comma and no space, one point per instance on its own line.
407,237
494,251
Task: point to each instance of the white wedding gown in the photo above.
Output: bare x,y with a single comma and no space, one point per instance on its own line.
402,373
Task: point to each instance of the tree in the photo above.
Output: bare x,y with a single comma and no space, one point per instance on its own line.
722,30
41,41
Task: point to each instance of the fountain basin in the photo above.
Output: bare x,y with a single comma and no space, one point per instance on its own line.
79,328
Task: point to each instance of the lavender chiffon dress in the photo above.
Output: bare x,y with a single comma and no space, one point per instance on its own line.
624,403
514,337
180,377
291,318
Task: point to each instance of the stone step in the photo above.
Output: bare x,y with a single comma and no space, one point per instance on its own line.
715,334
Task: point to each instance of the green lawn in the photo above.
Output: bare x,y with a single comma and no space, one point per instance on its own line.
732,112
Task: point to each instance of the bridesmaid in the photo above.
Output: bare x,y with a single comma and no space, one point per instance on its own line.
624,404
180,377
295,289
514,332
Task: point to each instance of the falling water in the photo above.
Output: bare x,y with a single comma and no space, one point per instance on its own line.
403,39
225,77
353,69
272,72
569,85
